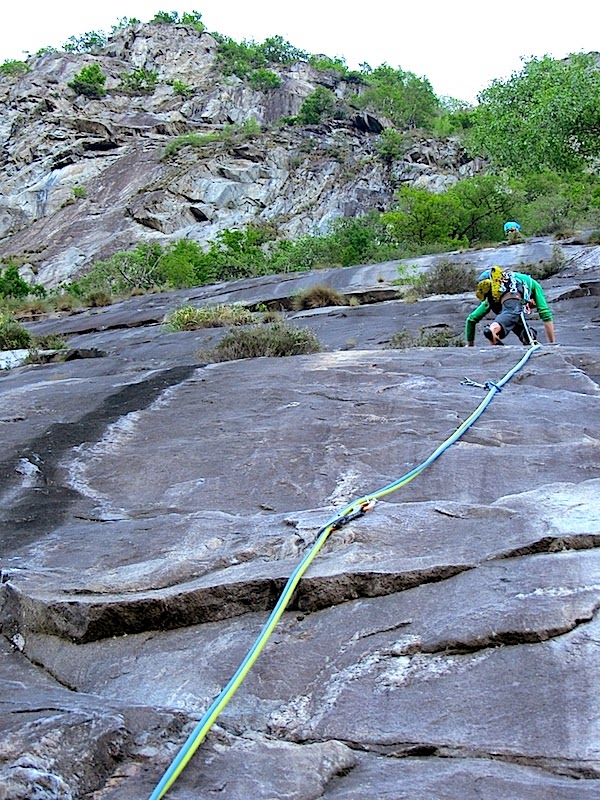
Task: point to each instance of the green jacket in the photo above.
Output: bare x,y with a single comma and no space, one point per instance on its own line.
537,297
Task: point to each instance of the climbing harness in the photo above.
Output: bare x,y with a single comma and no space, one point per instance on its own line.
356,509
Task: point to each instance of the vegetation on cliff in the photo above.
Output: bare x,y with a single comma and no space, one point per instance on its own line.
539,132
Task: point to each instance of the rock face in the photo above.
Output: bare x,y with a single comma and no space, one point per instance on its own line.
112,152
444,645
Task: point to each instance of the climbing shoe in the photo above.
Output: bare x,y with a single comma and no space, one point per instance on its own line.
490,336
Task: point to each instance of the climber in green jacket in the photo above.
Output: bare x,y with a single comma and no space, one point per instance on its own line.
508,294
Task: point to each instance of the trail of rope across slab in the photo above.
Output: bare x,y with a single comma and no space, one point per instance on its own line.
352,511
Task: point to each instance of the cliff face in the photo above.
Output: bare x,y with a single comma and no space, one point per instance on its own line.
112,151
444,645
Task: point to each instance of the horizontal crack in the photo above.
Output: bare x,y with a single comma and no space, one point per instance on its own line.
566,767
509,638
90,617
553,544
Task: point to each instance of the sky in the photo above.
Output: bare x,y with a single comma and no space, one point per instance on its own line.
460,46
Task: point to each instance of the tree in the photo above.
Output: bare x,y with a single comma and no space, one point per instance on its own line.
86,42
405,99
485,202
423,217
547,116
89,82
318,104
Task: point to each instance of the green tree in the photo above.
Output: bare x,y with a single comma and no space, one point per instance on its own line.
277,50
423,217
406,100
12,284
184,264
86,42
192,18
89,82
484,203
125,270
317,105
547,116
264,79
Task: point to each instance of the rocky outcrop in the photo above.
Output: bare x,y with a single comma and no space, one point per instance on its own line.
153,506
85,177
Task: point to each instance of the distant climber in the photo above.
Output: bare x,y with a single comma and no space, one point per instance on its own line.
511,227
509,295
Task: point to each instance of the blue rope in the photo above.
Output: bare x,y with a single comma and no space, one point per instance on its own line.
355,509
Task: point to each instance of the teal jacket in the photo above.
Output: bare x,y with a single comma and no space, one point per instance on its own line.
537,298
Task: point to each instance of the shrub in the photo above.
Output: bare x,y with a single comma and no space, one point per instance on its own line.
31,307
124,271
191,318
264,79
318,296
275,340
172,18
89,82
248,129
181,88
97,298
441,337
65,301
48,341
14,68
317,105
407,100
13,285
390,145
323,63
190,140
86,42
79,192
545,269
139,82
446,277
13,336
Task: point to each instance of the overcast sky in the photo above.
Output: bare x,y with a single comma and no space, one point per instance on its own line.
459,45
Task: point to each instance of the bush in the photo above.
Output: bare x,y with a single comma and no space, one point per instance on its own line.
441,337
139,82
48,341
86,42
274,340
264,79
318,296
545,269
390,145
12,285
191,318
14,68
172,18
182,89
325,64
446,277
248,129
124,271
405,99
317,105
89,82
97,298
13,336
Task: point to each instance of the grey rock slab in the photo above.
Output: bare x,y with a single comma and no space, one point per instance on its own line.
225,565
444,667
502,702
449,779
